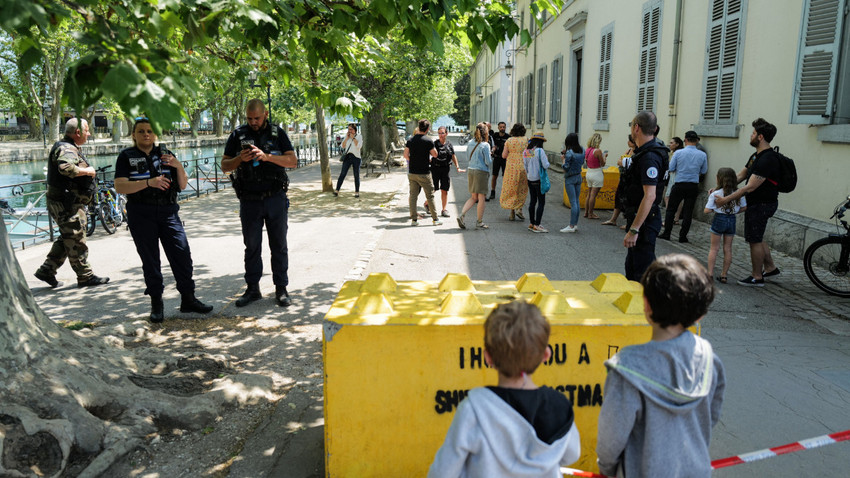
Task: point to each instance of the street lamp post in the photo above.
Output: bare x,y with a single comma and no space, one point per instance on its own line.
47,99
253,77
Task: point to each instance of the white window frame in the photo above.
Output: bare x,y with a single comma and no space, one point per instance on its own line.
650,44
603,95
557,90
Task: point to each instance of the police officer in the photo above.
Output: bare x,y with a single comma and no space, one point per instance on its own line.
151,177
70,186
258,153
643,195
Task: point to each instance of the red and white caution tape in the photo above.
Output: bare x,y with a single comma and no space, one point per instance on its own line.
807,444
781,450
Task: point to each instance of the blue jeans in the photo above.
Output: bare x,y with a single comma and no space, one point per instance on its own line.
273,212
573,187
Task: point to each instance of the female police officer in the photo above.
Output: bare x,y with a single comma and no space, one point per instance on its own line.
151,177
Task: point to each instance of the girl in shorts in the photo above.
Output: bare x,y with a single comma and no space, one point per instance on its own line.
723,224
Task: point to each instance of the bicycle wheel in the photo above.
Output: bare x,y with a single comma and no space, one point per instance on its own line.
91,220
104,212
122,206
827,263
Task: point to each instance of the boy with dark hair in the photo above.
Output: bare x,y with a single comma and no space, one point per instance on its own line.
515,429
669,390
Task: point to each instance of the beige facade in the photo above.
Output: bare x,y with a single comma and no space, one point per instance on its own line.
787,61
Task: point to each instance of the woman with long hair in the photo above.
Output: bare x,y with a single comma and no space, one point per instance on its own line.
478,173
515,180
534,160
573,157
350,159
595,178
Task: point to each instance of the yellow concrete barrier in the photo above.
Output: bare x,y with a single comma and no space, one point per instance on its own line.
605,198
400,356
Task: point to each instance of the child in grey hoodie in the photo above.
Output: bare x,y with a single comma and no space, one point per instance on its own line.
515,429
662,398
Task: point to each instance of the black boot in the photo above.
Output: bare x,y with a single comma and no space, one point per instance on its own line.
190,303
157,310
252,293
282,297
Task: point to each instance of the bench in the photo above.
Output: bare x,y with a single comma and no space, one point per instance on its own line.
372,161
397,150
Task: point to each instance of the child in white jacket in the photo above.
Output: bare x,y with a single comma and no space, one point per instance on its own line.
514,429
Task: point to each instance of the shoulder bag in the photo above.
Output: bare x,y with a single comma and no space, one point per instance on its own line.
545,185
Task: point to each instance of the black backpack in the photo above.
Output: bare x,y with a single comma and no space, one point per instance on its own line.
787,173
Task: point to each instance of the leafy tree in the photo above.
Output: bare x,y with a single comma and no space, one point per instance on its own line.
461,114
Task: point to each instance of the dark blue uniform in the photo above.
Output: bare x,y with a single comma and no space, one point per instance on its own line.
648,168
261,187
152,217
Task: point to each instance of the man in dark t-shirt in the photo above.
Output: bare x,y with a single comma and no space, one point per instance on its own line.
762,190
418,152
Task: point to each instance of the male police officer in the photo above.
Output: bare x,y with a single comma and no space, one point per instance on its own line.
258,153
70,186
643,195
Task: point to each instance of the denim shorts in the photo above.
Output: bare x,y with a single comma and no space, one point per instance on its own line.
723,224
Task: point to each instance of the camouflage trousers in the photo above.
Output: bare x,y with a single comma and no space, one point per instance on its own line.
71,243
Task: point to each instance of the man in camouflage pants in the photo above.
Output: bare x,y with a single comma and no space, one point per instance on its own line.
70,186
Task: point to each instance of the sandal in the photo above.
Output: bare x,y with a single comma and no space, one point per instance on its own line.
609,223
513,216
520,216
460,223
481,225
721,279
593,216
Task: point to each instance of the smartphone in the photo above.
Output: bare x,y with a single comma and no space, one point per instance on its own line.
246,147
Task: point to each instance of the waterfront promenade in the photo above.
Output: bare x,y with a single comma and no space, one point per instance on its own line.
784,346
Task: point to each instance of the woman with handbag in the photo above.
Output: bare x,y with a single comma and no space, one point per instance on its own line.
478,172
536,163
350,159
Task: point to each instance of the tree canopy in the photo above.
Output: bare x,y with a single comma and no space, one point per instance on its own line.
146,55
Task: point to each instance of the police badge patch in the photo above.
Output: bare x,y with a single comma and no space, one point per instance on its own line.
652,172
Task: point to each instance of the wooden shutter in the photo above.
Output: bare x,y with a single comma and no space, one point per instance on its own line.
817,61
557,87
541,95
604,74
722,77
529,98
649,44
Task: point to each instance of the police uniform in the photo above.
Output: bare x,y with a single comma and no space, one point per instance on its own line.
261,187
68,193
152,218
648,168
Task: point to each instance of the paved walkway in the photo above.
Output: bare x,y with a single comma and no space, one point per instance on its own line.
784,345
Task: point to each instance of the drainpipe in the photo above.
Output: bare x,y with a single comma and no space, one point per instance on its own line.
674,76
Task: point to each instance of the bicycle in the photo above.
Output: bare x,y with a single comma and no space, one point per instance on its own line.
107,206
827,261
465,138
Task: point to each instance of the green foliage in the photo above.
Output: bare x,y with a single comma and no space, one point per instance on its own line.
461,114
151,56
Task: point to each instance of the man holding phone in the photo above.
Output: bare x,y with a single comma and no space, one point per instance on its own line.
258,153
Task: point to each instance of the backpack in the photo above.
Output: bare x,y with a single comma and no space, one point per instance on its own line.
787,173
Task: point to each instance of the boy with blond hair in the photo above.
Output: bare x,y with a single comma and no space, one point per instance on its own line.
662,398
514,429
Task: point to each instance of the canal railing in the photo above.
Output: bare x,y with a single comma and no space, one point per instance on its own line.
24,206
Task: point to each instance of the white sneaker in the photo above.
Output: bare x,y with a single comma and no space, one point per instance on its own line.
438,223
414,222
569,229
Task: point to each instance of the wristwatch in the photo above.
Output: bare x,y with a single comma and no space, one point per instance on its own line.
633,231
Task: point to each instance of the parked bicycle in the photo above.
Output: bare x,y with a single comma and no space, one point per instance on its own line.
827,261
465,138
109,207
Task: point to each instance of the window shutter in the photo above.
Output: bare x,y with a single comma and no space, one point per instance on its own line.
604,74
650,40
557,73
817,61
529,103
722,77
541,95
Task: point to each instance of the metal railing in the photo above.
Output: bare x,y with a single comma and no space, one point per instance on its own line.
24,205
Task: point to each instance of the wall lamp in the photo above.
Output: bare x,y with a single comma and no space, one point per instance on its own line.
508,67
